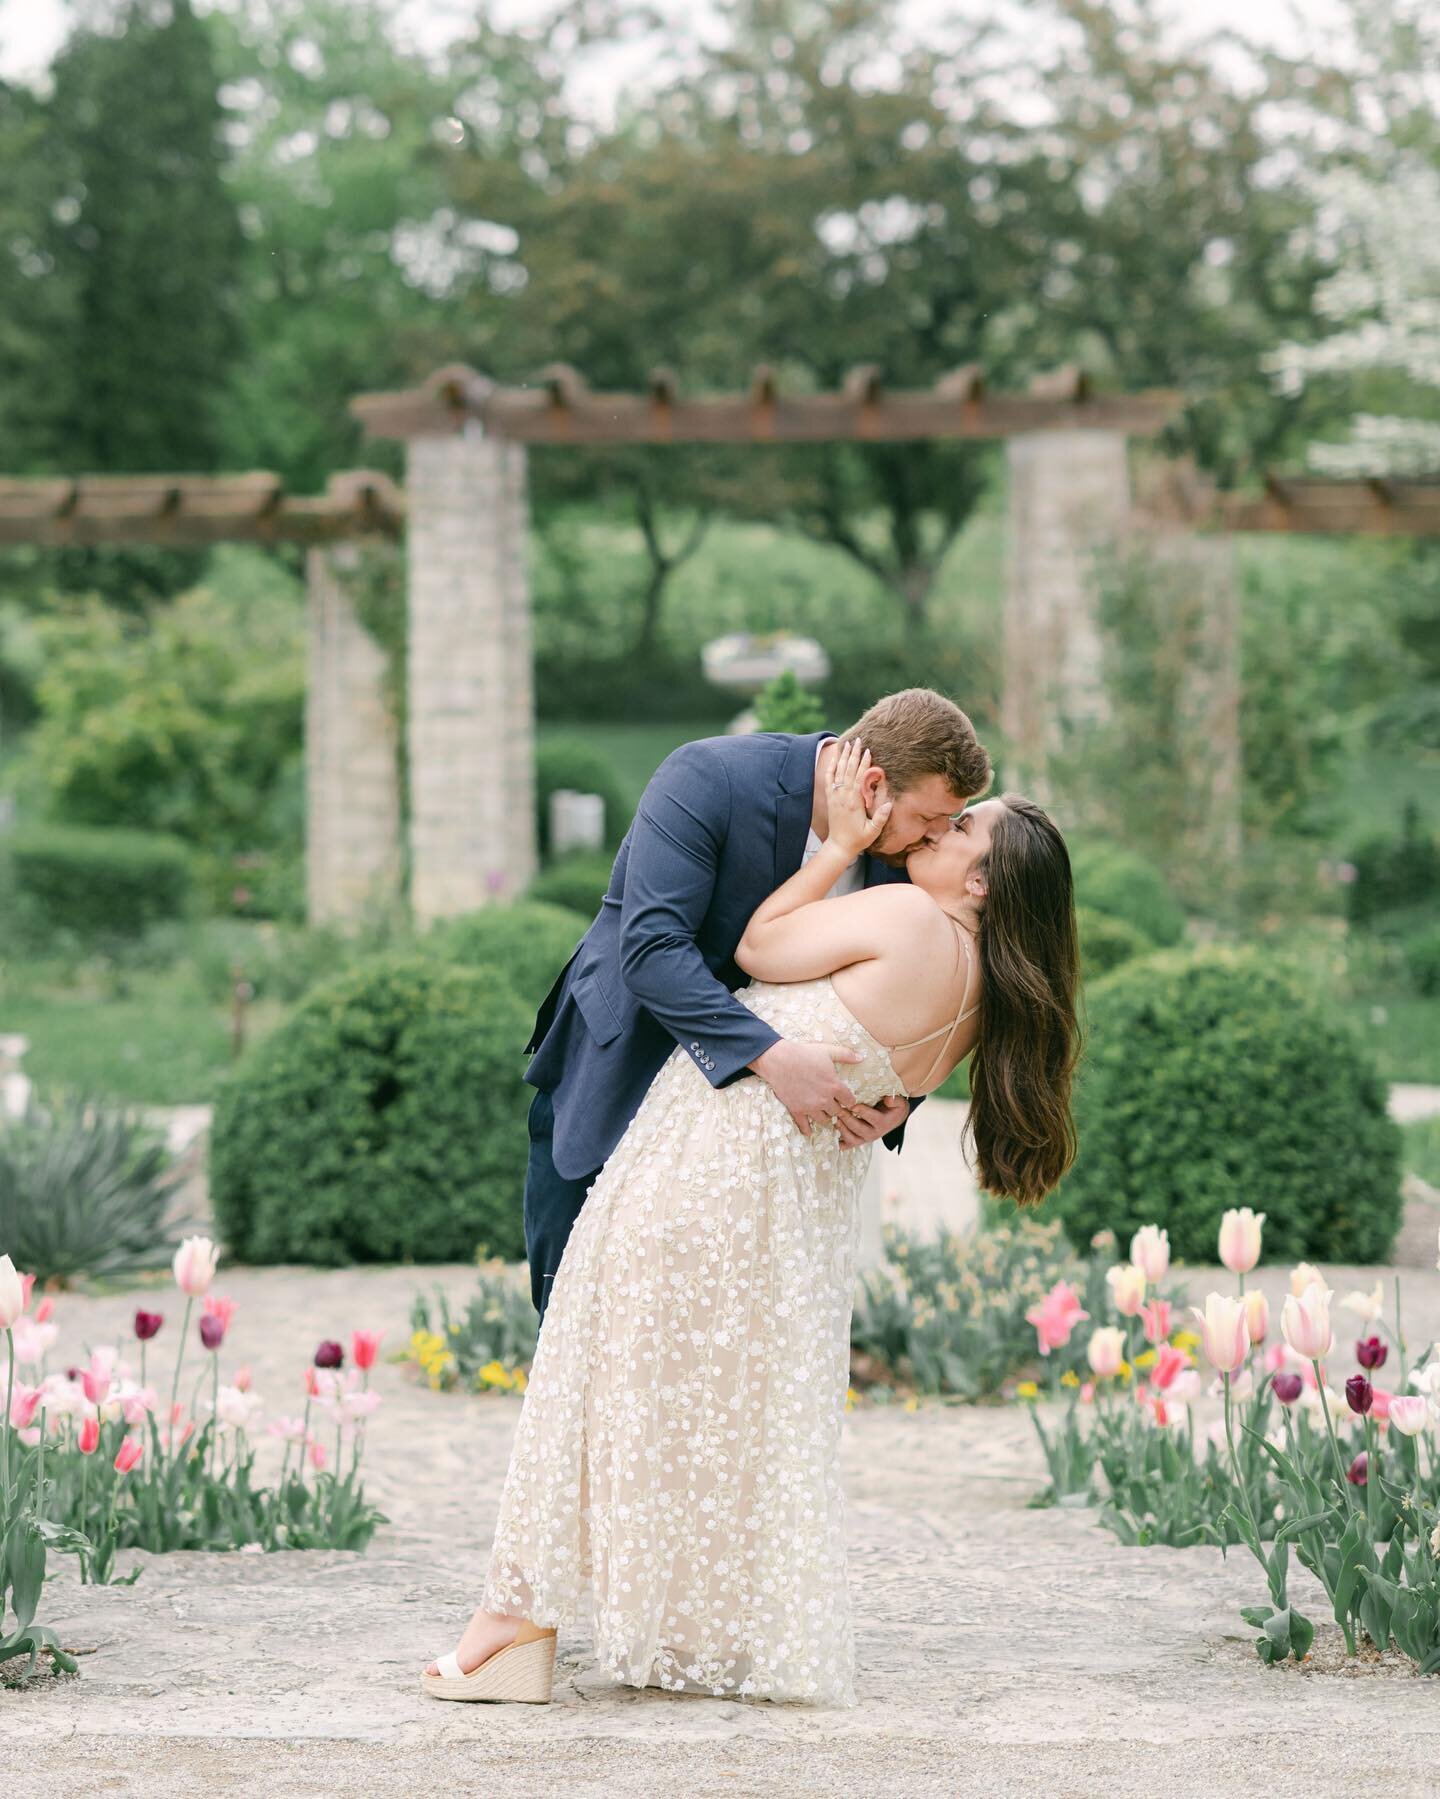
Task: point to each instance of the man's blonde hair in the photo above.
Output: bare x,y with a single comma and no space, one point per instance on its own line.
919,732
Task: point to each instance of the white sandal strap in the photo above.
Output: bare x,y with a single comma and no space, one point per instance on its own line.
449,1666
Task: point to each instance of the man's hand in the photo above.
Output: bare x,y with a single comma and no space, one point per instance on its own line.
864,1124
803,1078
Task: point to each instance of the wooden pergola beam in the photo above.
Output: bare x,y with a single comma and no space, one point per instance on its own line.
1300,505
560,409
195,510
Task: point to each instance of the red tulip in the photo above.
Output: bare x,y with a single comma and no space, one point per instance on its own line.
1371,1352
89,1436
329,1355
212,1331
1358,1394
364,1346
1287,1388
147,1324
1359,1470
130,1452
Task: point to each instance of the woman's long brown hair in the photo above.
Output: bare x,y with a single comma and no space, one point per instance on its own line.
1025,1054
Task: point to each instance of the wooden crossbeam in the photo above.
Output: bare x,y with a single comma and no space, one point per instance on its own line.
195,510
560,409
1298,504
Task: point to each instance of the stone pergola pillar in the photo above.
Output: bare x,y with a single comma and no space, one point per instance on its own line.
471,705
1069,498
352,833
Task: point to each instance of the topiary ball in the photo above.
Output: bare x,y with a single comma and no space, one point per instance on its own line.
1208,1082
384,1121
1121,884
529,943
1106,942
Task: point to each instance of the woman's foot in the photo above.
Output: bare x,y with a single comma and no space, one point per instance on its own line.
485,1634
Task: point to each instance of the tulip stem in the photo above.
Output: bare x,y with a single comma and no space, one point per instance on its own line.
179,1357
5,1425
1240,1479
1334,1441
1399,1334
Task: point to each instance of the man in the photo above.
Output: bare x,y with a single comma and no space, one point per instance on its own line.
722,824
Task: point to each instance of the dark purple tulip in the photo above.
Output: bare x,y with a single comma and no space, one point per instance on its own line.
147,1324
1359,1394
1371,1352
212,1331
1288,1388
329,1355
1359,1470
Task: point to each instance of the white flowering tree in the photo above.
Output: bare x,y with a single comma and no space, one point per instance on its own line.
1377,219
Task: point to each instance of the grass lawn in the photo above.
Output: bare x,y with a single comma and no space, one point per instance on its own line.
635,751
1422,1150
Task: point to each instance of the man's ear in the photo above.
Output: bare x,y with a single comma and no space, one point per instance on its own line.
873,788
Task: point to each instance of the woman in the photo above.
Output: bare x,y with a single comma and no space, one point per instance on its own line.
678,1447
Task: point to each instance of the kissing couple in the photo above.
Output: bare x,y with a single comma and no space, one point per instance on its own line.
802,937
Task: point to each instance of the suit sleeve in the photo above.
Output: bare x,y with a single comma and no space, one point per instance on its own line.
675,845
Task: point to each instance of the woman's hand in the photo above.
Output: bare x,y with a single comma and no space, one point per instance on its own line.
851,827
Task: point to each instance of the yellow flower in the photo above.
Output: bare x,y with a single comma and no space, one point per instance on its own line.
1124,1371
1144,1360
520,1380
1185,1340
493,1375
1069,1378
849,1399
912,1404
1027,1390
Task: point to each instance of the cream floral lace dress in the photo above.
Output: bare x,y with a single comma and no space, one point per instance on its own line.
678,1449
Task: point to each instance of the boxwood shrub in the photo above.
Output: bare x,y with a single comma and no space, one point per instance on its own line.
95,884
384,1120
1121,884
528,942
1106,942
1208,1081
578,883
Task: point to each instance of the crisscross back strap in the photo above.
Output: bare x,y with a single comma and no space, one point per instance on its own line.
947,1030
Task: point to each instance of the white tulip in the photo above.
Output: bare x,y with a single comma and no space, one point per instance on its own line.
12,1293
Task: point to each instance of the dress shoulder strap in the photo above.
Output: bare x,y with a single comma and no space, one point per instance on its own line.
948,1031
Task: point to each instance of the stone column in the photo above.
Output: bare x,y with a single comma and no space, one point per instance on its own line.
1069,498
352,789
471,698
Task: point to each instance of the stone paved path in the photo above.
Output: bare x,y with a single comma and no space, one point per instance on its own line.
1003,1651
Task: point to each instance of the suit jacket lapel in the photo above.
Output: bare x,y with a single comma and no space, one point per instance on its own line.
795,802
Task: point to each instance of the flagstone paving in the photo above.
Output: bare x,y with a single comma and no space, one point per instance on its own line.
1002,1650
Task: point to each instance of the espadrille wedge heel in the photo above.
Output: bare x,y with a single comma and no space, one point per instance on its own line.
522,1673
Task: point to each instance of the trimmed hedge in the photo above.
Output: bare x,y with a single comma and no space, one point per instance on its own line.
1422,959
383,1121
577,883
1209,1082
570,762
1123,885
96,883
1106,942
529,943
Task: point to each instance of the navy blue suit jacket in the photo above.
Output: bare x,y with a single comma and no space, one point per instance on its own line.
722,824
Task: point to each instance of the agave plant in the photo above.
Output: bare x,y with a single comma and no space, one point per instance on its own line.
85,1188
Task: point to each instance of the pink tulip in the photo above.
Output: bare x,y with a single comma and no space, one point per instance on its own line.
1257,1315
24,1404
1409,1413
288,1430
1223,1333
1240,1231
1168,1363
1380,1404
364,1347
1106,1350
317,1454
129,1454
1056,1316
1150,1252
1156,1320
1087,1393
1359,1470
244,1379
223,1309
95,1383
1305,1323
138,1404
45,1311
89,1436
194,1265
27,1287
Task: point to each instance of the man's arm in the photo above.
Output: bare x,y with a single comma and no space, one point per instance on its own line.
675,845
